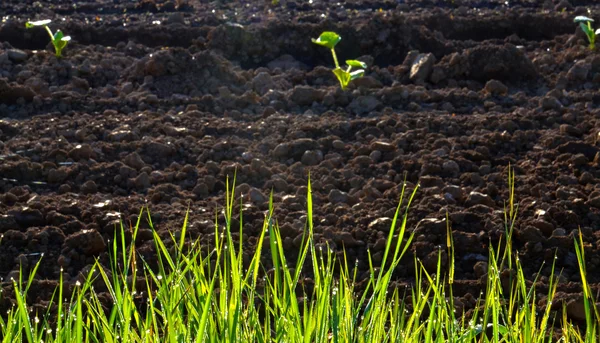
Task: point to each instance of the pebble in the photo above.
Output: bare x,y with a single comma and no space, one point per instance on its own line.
27,217
336,197
281,150
477,198
17,55
312,157
90,242
579,71
495,87
421,67
382,146
142,181
380,224
305,95
134,160
550,103
82,152
89,187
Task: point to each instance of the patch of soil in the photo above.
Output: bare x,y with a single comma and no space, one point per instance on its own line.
157,102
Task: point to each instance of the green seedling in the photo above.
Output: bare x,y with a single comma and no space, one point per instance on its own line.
58,39
330,40
586,26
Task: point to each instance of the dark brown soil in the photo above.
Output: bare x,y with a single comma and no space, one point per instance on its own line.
157,102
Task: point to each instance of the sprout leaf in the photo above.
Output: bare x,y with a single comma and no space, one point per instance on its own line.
328,39
356,63
582,19
357,74
31,24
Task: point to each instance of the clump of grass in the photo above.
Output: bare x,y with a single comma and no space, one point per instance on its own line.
194,295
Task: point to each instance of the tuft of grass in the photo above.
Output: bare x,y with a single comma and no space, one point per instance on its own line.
219,294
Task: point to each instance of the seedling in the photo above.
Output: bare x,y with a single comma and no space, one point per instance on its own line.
58,39
586,26
330,40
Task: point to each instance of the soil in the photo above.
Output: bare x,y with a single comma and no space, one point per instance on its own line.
157,102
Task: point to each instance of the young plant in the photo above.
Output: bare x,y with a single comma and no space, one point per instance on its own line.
586,26
58,39
330,40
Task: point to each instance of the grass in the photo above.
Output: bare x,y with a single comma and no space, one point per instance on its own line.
200,295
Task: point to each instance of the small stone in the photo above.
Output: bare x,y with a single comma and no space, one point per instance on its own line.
550,103
57,175
10,199
380,224
122,135
338,144
127,88
576,309
421,67
569,130
134,160
89,187
382,146
90,242
579,71
82,152
64,188
545,227
27,217
345,239
529,234
594,202
375,155
312,157
480,268
457,192
282,150
257,197
247,156
495,87
364,104
477,198
305,95
142,181
586,178
160,150
579,160
17,55
451,167
201,190
262,83
7,222
337,197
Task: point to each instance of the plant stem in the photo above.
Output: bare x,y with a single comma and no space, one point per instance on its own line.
335,60
49,32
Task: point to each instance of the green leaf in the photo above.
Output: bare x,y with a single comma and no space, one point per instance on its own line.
356,63
58,35
327,39
357,74
582,19
343,76
586,29
31,24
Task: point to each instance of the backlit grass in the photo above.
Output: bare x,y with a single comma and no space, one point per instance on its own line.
200,295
